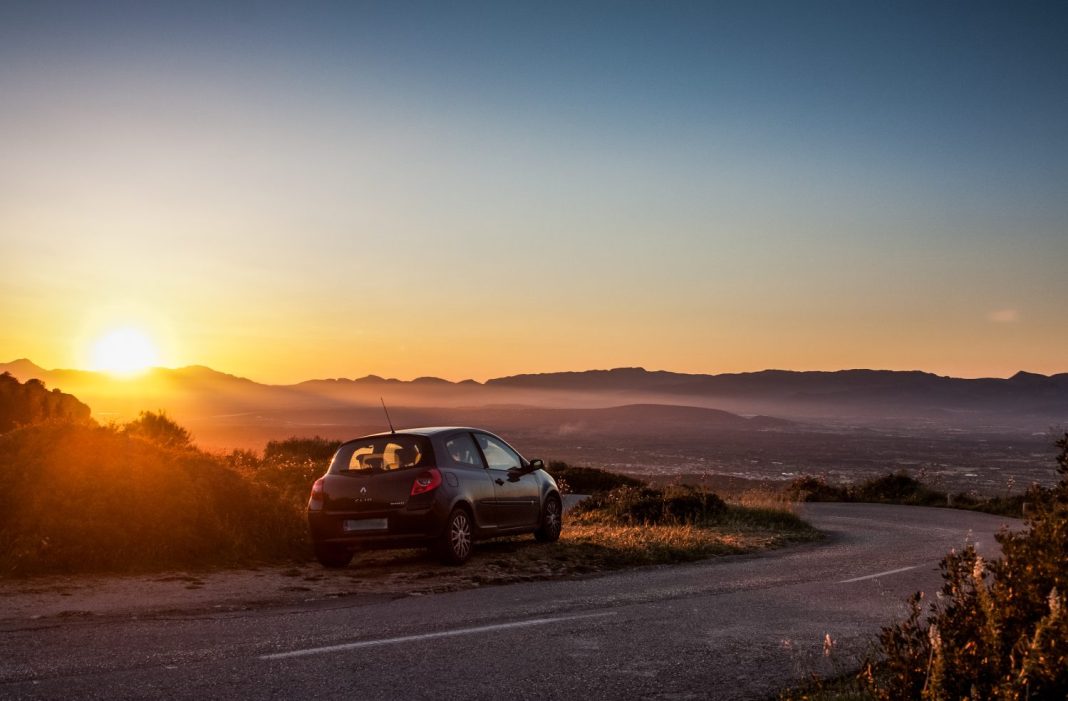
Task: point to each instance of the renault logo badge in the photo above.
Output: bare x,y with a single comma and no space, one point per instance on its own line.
363,490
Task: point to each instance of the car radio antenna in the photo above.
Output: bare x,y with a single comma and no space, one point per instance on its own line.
388,420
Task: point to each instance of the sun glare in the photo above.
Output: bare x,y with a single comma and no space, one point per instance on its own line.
124,352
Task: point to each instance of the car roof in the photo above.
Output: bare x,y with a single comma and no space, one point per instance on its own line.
424,431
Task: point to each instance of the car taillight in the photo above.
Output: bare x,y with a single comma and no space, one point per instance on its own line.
427,481
315,503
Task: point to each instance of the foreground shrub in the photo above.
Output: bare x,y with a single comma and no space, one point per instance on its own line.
77,498
1000,630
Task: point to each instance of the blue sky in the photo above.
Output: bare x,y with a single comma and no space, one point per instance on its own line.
690,186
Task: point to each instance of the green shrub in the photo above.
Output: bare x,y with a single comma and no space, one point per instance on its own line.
901,488
291,478
691,505
646,505
1010,505
897,488
1000,630
625,504
589,480
812,488
289,466
316,449
158,428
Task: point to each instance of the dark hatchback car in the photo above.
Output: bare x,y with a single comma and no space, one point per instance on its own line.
439,487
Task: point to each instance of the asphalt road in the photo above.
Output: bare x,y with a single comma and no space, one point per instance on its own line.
729,628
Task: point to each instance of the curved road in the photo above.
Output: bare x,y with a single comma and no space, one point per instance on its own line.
729,628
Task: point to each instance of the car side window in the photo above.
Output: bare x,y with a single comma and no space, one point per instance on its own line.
462,450
498,455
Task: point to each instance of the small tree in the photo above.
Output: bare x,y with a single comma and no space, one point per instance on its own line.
158,428
317,449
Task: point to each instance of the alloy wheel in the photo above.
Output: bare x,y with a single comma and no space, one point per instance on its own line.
460,535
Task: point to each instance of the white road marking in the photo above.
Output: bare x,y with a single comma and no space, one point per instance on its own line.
431,636
878,574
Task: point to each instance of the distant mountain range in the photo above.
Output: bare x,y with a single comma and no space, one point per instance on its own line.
880,398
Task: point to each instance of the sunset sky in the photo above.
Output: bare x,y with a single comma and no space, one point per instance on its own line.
295,190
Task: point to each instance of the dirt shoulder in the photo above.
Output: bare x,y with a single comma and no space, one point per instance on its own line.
393,574
581,552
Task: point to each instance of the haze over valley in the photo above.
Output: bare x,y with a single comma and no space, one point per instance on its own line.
986,434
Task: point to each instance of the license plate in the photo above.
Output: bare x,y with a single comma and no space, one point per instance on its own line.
366,524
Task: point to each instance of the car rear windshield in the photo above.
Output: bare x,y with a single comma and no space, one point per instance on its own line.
382,453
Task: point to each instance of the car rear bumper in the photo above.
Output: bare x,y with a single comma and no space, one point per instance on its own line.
404,528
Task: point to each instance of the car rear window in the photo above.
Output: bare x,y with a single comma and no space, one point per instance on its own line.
382,453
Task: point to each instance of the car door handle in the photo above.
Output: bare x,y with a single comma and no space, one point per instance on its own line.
499,481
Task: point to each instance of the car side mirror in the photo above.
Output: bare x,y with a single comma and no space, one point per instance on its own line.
536,464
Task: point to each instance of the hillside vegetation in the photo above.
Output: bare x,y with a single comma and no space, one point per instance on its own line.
30,403
83,498
902,488
587,480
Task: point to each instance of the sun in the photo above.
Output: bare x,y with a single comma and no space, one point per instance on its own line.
124,352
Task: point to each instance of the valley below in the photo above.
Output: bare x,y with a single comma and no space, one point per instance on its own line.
993,436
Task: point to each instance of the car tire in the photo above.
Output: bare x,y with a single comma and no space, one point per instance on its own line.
455,543
333,556
551,521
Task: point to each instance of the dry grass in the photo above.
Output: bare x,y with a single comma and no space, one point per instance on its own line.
739,529
588,546
638,545
764,498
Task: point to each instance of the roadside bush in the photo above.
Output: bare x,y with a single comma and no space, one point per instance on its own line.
289,466
316,449
897,488
78,498
646,505
1011,505
292,479
157,427
812,488
1000,630
689,505
901,488
589,480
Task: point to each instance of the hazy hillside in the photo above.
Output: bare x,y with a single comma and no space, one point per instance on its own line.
1025,402
1022,401
985,434
193,391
